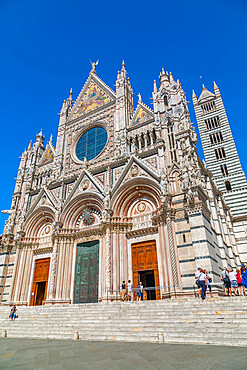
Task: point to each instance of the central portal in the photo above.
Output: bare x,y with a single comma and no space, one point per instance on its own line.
145,268
87,272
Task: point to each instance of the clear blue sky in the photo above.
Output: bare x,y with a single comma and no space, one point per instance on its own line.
46,46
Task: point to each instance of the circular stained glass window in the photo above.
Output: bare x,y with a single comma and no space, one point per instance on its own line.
91,143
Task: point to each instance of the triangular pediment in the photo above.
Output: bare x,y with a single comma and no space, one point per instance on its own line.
135,168
45,198
85,183
94,95
142,115
48,155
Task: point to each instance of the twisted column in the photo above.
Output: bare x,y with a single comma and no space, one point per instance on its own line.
172,252
108,260
53,270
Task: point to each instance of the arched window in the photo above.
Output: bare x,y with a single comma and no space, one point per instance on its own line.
228,186
165,101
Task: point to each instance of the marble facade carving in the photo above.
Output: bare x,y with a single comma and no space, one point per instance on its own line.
148,183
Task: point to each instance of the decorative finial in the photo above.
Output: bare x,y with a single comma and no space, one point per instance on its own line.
94,64
140,98
123,64
70,93
155,85
30,145
51,139
202,81
163,71
171,77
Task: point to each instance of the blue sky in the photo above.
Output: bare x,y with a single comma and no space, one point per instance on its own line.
46,45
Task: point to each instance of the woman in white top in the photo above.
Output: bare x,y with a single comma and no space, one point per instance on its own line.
233,280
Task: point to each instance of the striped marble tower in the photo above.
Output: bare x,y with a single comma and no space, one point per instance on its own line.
222,159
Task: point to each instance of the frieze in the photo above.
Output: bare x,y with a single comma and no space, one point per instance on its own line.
139,232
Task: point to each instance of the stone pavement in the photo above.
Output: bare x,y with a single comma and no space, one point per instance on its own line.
57,354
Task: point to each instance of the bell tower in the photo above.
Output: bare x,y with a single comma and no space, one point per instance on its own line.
222,158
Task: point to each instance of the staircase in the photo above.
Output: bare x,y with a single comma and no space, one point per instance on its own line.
214,321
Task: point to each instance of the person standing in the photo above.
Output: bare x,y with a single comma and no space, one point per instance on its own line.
208,284
226,280
239,281
197,274
123,292
130,290
244,277
233,280
138,292
141,289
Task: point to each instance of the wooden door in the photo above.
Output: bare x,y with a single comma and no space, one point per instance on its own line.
41,275
144,257
87,272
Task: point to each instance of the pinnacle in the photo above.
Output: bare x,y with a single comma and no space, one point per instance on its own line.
215,85
193,94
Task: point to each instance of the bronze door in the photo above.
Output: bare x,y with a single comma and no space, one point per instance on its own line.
87,272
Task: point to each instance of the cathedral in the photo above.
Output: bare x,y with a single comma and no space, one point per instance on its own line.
122,195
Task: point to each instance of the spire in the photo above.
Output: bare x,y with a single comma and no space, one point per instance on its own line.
215,86
51,139
155,86
171,77
70,94
193,94
123,70
205,94
30,145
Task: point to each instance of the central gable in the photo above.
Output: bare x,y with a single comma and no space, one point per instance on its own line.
95,94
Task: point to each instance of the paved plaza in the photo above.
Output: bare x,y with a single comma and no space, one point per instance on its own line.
55,354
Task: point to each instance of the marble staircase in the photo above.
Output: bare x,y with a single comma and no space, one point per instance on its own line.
221,321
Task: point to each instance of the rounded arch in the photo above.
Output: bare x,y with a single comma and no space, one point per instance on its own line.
133,189
74,208
40,217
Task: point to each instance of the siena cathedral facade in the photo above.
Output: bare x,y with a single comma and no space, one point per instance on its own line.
123,195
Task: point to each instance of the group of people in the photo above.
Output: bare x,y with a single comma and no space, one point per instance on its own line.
203,282
127,292
235,281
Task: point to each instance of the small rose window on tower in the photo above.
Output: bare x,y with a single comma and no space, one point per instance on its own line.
228,186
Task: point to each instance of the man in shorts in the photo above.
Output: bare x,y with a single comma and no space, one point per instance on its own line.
226,280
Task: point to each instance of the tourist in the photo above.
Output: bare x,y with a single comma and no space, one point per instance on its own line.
138,292
202,282
226,280
123,292
130,290
233,280
244,277
208,285
141,287
239,281
197,274
13,315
